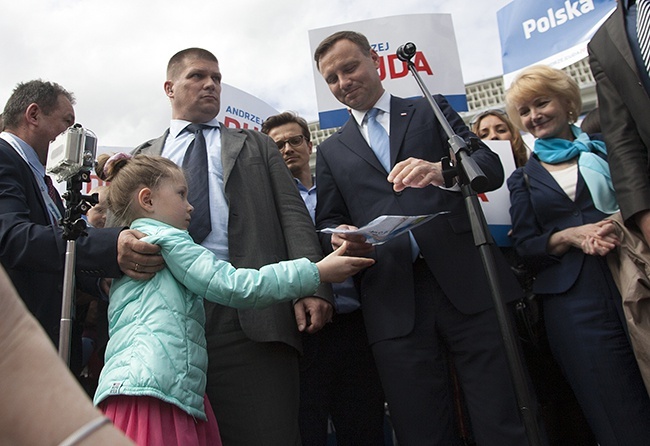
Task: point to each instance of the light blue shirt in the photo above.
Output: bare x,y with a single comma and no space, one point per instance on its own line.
308,196
30,156
175,147
346,298
383,118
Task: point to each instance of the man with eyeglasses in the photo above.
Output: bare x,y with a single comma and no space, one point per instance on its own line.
338,377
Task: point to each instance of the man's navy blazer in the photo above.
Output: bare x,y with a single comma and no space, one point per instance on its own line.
352,189
32,249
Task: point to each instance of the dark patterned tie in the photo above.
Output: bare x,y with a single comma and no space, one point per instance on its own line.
195,165
643,30
53,193
51,190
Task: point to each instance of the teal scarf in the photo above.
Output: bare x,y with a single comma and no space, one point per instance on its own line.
594,169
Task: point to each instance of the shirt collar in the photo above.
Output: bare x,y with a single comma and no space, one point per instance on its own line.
178,125
30,156
299,183
383,104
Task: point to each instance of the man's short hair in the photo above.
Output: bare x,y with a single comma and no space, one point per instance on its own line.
357,38
44,94
286,118
178,59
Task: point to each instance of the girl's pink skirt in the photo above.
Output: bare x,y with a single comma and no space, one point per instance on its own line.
149,421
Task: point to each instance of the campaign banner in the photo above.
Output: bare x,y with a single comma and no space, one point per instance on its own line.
242,110
496,204
238,110
549,32
436,60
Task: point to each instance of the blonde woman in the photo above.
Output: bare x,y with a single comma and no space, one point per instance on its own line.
559,200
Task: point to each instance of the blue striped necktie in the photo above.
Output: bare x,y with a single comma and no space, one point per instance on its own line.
379,141
195,165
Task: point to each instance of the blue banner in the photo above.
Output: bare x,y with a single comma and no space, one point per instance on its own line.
534,30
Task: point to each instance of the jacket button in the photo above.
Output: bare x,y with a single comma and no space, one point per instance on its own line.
398,193
576,213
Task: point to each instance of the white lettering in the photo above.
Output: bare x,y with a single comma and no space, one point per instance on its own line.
572,9
551,17
586,6
529,27
555,18
543,25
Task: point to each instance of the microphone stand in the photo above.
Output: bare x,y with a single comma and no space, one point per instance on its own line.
473,180
73,227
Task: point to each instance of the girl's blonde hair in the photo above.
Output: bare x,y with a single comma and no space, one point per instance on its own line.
542,80
127,175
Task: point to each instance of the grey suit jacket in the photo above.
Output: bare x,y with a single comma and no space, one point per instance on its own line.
624,113
268,222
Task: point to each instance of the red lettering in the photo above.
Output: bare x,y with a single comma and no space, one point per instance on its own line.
254,128
95,181
421,63
483,197
396,71
394,74
231,123
234,124
382,68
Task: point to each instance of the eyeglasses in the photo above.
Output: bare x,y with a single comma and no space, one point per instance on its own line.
294,142
483,114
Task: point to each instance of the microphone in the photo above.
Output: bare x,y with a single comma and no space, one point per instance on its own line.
406,51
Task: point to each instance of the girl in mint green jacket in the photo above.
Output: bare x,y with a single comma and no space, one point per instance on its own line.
153,383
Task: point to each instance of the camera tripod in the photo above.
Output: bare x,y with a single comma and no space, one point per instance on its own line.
74,227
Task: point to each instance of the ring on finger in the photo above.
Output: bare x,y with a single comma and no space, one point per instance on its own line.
137,267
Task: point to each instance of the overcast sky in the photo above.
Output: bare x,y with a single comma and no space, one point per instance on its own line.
112,54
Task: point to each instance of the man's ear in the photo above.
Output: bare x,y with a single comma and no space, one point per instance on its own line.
169,89
32,113
375,58
145,200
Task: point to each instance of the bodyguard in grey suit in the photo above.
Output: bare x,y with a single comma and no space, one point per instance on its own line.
257,217
623,88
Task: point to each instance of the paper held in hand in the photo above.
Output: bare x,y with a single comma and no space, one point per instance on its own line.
386,227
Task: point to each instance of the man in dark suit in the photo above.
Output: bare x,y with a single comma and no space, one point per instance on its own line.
256,217
427,295
32,248
338,377
623,88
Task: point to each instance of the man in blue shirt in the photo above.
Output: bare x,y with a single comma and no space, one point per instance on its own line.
338,377
32,248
